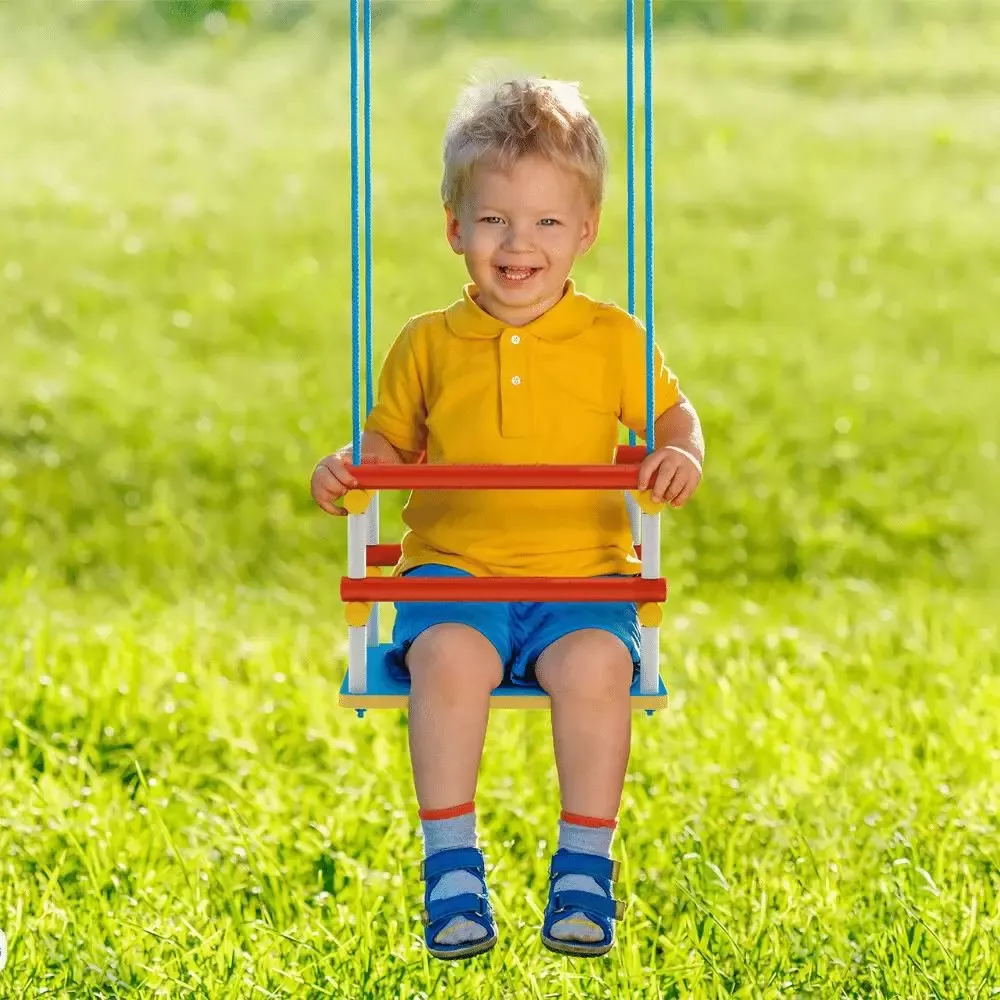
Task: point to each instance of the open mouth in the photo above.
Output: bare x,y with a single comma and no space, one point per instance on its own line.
517,275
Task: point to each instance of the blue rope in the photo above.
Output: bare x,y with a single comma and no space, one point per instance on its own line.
650,335
630,152
367,29
355,250
356,212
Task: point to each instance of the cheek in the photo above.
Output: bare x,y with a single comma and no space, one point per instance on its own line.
481,245
562,243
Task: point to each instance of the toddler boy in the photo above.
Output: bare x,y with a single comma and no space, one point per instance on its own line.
522,369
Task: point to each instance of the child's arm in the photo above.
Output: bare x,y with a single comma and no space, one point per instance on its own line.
331,478
673,471
399,414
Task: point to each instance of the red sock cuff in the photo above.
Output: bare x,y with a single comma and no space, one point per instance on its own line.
450,813
592,821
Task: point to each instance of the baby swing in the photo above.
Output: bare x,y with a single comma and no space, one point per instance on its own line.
368,683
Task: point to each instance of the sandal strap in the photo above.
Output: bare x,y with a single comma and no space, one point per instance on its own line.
589,903
456,859
468,904
574,863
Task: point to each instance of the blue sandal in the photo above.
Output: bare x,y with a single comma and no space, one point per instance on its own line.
472,906
601,910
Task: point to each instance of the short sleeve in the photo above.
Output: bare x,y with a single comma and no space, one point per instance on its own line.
633,394
400,412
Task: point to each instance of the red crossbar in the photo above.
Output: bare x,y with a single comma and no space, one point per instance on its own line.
630,454
496,477
499,589
384,555
389,555
624,475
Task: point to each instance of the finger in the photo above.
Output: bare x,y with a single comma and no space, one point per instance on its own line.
647,468
334,476
685,494
327,499
330,507
677,485
345,479
325,484
664,480
336,467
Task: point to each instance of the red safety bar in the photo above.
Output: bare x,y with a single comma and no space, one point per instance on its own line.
630,454
389,555
624,475
384,555
496,477
499,589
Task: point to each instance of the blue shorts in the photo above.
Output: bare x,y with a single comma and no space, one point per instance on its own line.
520,631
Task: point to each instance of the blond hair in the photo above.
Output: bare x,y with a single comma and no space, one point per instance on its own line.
498,124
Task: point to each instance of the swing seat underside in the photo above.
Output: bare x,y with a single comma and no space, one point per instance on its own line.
385,691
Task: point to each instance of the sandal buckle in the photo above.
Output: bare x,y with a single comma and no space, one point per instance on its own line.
620,907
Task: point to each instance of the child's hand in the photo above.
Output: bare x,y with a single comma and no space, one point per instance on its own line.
331,480
672,473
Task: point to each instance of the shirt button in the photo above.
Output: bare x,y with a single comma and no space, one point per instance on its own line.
516,380
515,339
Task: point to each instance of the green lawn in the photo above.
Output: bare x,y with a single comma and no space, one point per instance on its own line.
186,812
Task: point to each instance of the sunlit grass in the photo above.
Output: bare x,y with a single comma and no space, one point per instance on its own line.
187,813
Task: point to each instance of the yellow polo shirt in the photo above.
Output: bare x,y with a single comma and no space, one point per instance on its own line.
466,389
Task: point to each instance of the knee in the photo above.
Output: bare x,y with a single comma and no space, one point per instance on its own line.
592,665
455,661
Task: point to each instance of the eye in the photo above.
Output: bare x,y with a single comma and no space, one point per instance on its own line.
549,222
491,220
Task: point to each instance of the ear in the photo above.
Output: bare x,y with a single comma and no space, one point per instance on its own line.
591,226
453,230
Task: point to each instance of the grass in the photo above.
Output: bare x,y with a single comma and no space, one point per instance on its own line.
187,813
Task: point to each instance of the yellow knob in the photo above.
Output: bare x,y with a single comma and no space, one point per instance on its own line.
650,615
644,498
356,501
357,613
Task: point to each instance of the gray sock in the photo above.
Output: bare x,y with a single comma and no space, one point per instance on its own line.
445,835
582,840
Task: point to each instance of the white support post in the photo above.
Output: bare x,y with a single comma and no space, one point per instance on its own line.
649,664
373,539
650,546
634,518
357,659
357,636
649,668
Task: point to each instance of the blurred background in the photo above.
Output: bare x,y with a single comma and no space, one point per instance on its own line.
175,331
176,292
163,20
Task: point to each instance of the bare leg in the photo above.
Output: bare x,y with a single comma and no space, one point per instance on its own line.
587,674
453,669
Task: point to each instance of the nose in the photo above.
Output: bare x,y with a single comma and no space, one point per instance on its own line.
517,238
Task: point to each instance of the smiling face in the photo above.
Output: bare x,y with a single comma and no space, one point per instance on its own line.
520,232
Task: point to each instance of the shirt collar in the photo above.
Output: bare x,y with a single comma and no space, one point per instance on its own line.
569,316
